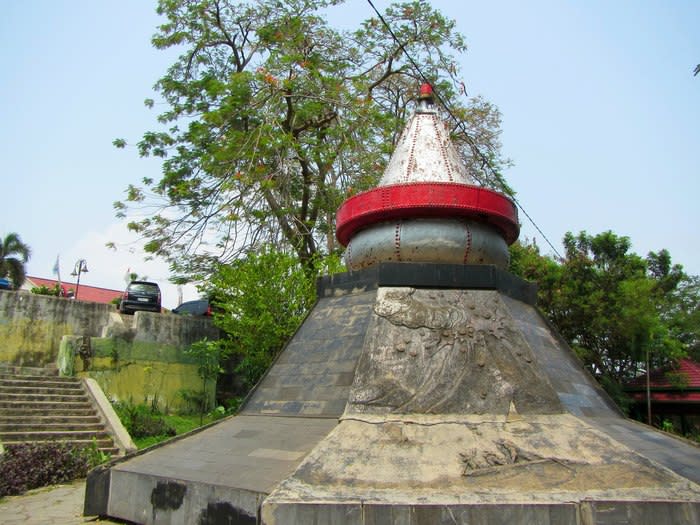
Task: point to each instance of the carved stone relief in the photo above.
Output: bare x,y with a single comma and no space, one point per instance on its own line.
447,351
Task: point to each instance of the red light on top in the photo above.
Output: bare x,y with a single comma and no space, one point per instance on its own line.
426,90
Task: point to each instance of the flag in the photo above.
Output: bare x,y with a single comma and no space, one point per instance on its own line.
57,269
57,272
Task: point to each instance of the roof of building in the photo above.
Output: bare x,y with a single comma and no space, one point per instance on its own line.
85,292
673,383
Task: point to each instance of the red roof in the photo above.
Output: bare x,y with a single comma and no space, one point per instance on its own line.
667,397
667,377
85,292
678,383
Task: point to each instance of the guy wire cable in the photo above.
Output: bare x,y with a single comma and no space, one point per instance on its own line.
484,160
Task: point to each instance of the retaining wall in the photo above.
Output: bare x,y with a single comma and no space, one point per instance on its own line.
139,358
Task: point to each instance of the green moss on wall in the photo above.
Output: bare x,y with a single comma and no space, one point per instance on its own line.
27,342
122,350
141,372
148,382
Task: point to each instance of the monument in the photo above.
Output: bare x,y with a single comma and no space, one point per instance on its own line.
424,387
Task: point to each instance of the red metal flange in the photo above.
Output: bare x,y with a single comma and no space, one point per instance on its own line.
427,199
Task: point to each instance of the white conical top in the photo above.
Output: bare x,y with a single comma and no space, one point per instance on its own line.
425,152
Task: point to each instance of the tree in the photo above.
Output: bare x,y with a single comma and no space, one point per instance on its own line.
259,303
527,262
14,254
273,118
679,297
619,312
208,355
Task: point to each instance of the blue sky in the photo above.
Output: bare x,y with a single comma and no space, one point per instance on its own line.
601,117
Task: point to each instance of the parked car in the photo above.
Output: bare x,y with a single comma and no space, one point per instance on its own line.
5,284
198,307
140,295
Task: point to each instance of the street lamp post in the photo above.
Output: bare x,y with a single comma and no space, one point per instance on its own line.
80,267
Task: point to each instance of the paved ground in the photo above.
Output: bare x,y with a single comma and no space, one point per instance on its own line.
57,505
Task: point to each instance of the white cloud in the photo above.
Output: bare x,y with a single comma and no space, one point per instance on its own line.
107,268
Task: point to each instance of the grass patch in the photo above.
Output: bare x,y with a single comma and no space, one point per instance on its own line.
181,423
147,425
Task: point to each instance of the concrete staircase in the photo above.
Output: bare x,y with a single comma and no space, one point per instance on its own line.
38,406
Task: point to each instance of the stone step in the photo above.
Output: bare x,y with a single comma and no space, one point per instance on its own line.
43,406
27,370
53,409
40,417
37,406
50,435
28,378
57,380
40,388
43,398
43,426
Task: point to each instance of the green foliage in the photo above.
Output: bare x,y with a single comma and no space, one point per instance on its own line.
274,117
180,423
195,401
14,254
32,465
615,308
142,421
54,291
261,301
208,356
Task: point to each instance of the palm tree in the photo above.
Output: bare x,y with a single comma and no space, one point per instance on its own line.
14,254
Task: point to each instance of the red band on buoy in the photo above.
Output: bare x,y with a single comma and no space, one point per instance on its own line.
426,200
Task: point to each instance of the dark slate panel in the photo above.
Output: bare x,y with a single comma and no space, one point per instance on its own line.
427,275
643,512
578,391
342,513
676,454
313,374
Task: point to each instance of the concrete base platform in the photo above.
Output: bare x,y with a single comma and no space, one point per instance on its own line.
427,469
584,513
416,394
219,475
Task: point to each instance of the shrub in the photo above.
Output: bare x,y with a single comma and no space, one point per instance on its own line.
142,421
28,466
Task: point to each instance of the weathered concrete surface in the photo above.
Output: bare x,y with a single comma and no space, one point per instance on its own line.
228,469
454,405
464,407
31,326
447,351
578,392
551,462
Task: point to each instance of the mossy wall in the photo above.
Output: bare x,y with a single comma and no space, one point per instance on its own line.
146,372
139,358
31,326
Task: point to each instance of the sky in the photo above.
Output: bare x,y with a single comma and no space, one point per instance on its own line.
600,117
